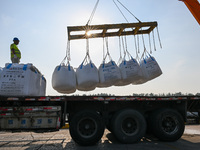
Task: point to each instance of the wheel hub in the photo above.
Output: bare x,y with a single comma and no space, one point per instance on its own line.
129,126
87,127
169,125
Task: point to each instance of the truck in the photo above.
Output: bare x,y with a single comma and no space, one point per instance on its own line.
128,118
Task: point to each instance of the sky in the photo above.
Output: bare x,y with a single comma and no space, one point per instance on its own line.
41,27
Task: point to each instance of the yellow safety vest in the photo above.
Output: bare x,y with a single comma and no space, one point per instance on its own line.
17,52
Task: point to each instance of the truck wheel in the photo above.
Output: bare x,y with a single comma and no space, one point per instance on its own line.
167,124
86,127
129,126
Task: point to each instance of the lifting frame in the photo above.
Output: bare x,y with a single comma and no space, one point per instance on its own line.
108,30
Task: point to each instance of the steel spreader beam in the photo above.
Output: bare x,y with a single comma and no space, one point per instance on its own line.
109,30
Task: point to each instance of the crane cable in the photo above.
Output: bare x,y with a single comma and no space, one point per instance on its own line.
92,14
120,11
126,9
87,40
138,21
120,51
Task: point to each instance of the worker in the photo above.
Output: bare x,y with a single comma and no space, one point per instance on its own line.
15,52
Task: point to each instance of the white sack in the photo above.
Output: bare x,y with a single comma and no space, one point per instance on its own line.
150,68
87,77
130,71
20,80
109,74
141,80
64,79
42,86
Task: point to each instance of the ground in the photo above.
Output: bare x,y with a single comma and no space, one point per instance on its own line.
60,140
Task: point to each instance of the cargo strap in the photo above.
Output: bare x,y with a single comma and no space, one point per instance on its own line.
137,50
66,57
120,51
107,53
87,58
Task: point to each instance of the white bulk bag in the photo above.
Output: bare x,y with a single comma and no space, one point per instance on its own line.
141,80
109,74
42,86
150,68
20,80
130,71
64,79
87,77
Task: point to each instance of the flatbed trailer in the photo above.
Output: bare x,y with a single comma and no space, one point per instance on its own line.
127,117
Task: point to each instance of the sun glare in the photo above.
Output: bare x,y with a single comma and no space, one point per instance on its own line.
88,33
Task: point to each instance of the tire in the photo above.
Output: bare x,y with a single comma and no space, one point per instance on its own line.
129,126
167,124
86,127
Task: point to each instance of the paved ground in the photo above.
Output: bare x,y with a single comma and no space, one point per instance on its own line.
61,140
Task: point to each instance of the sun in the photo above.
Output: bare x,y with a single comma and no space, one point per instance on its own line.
88,33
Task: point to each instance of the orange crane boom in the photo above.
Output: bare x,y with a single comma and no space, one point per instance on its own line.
194,7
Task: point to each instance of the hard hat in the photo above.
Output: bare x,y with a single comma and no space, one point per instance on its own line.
15,39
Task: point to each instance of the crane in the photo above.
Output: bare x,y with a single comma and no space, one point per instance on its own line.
194,7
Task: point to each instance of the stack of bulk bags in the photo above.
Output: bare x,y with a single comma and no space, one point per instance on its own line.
109,74
150,69
130,71
87,76
21,80
64,79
